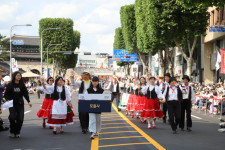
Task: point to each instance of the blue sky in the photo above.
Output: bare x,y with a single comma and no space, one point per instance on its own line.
95,19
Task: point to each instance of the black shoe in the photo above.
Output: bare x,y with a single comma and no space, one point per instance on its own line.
164,120
84,131
119,109
189,130
175,132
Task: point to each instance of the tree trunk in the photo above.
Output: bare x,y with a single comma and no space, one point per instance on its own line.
191,51
162,61
145,64
170,58
128,69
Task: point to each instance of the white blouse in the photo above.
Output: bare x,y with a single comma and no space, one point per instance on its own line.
49,87
151,87
50,90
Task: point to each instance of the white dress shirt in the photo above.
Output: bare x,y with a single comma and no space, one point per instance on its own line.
166,85
49,89
77,84
172,93
185,92
151,87
114,86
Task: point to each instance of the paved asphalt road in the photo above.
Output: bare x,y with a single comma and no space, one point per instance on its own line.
119,132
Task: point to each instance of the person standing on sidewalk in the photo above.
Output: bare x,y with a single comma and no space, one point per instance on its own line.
83,86
15,91
186,103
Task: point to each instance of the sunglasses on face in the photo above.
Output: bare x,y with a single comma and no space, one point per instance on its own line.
51,80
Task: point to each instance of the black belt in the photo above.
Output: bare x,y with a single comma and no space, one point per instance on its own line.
47,96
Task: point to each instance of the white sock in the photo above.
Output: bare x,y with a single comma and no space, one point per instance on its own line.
149,125
153,123
137,113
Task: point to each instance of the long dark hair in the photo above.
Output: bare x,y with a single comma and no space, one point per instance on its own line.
49,78
144,79
55,94
21,83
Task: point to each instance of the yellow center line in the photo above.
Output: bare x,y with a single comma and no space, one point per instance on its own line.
112,123
117,127
147,137
116,132
113,120
94,144
123,137
112,117
124,144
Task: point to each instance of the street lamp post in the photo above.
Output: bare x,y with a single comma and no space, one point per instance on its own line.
10,55
47,54
42,46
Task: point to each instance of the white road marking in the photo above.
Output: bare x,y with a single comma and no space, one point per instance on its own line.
196,117
27,111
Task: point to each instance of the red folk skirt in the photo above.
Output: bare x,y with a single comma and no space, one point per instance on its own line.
46,107
152,109
140,103
62,122
131,102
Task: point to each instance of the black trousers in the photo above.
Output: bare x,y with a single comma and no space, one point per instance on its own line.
84,120
174,113
185,106
164,111
16,117
117,97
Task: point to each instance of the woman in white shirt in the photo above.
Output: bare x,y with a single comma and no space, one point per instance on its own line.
152,109
61,113
46,107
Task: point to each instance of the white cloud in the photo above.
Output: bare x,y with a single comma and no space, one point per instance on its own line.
7,11
60,10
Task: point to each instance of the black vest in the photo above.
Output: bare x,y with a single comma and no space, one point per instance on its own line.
179,94
81,89
151,94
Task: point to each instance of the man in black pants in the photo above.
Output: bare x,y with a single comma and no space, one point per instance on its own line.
186,103
173,95
83,86
163,86
114,87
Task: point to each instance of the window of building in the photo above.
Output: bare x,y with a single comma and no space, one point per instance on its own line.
212,23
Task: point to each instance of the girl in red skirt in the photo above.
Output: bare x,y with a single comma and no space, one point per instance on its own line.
141,98
151,108
61,113
46,107
132,99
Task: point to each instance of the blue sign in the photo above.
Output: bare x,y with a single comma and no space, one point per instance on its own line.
18,43
120,55
94,106
216,29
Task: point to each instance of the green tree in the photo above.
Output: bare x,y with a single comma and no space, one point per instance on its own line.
186,25
66,36
4,46
118,39
119,44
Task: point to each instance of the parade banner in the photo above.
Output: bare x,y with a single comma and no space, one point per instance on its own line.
222,51
94,103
